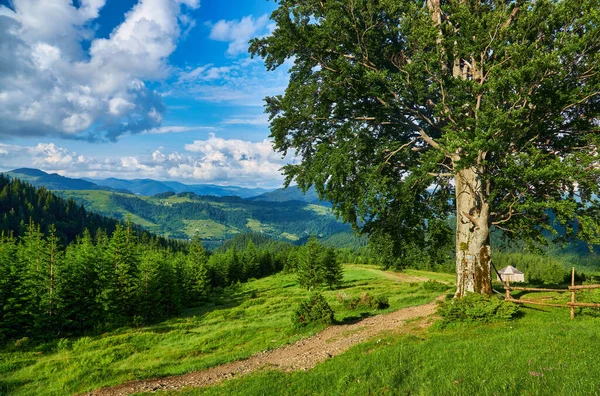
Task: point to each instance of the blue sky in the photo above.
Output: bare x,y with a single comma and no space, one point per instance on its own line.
163,89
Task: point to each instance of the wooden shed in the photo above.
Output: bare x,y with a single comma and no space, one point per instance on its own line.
511,274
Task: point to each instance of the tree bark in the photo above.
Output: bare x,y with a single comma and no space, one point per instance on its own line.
473,260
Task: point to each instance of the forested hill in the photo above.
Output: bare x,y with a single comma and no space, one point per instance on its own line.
215,219
292,193
20,203
53,181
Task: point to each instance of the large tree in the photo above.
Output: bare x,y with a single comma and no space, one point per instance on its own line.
404,110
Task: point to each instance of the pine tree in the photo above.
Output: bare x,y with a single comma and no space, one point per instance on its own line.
123,292
48,323
235,270
310,271
291,261
80,287
250,261
333,272
199,280
10,299
31,259
152,282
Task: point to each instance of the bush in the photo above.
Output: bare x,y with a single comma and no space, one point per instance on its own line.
380,302
433,285
314,310
475,307
365,300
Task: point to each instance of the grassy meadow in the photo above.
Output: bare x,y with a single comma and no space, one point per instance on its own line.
541,353
249,318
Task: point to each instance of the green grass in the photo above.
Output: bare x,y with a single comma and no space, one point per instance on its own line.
291,237
207,229
257,226
319,209
438,276
543,353
253,318
99,201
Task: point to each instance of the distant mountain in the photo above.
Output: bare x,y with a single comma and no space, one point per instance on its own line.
214,219
150,187
53,181
146,187
292,193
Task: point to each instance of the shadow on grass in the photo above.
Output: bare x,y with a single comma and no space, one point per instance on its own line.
8,386
355,319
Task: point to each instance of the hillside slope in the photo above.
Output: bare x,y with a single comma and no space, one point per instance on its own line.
20,203
214,218
292,193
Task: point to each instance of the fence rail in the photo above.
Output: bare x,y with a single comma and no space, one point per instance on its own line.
536,289
572,289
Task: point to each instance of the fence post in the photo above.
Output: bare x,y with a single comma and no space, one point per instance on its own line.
507,285
572,292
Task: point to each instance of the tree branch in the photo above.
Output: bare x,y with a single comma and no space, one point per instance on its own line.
387,159
440,174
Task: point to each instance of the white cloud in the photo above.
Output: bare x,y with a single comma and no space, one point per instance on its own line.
244,82
238,32
259,120
205,73
49,155
176,129
51,85
214,160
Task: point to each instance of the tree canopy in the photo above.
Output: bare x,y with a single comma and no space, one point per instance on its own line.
405,112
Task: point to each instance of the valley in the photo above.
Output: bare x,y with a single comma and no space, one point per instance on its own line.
214,219
214,213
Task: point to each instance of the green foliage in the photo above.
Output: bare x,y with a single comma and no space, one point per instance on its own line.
474,307
317,265
251,262
433,285
233,324
214,219
309,271
20,202
365,300
118,277
313,310
333,272
196,275
389,98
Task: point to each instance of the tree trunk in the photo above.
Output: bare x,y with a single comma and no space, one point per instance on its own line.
473,262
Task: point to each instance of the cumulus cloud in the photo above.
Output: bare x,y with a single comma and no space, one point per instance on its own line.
214,160
238,32
43,155
50,85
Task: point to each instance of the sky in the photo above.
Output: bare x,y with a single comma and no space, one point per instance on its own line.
162,89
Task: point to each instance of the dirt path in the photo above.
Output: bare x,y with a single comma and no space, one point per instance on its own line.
302,355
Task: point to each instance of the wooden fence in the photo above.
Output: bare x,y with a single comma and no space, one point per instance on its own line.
572,289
